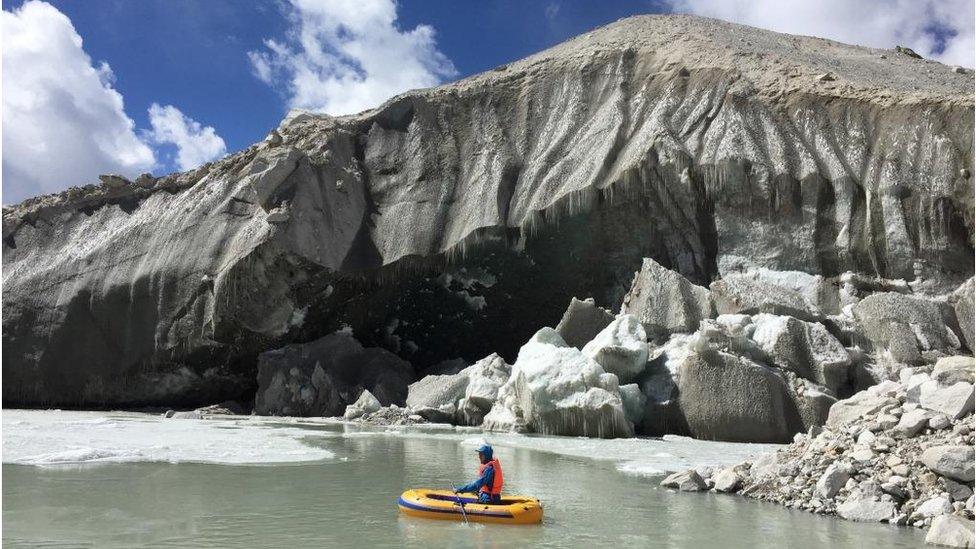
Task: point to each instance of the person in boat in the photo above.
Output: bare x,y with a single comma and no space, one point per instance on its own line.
488,486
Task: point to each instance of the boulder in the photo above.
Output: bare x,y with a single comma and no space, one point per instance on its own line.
727,397
114,181
933,507
666,302
582,321
833,479
620,348
954,401
955,462
728,481
813,404
322,377
685,481
746,293
962,303
869,401
864,508
436,391
485,377
957,490
365,404
951,531
555,389
806,348
905,325
912,423
953,369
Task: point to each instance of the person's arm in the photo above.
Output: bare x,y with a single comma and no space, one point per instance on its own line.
484,480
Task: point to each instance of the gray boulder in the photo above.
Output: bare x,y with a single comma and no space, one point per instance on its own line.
666,302
953,369
322,377
833,479
746,293
582,321
951,531
905,325
954,401
869,401
955,462
685,481
728,397
962,302
912,423
727,481
865,508
436,390
806,348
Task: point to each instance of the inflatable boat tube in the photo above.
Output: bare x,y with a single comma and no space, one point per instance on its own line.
444,505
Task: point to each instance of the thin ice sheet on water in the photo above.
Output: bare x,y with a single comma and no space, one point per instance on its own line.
35,437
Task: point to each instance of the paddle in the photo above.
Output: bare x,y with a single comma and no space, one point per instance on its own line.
464,515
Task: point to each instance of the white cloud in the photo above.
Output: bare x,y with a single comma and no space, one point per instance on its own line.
63,123
195,144
937,29
344,56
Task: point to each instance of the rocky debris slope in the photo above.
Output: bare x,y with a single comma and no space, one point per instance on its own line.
708,146
898,452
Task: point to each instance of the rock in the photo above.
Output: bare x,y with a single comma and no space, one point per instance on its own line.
954,401
833,479
226,408
114,181
953,369
951,531
185,415
955,462
685,481
744,293
727,480
555,389
322,377
485,377
435,391
666,302
905,325
620,348
957,491
907,51
939,422
934,507
279,214
962,302
912,423
445,413
145,181
805,348
365,404
861,404
860,508
169,413
582,321
727,397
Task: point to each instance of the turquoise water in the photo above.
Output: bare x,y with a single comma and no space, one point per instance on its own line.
348,500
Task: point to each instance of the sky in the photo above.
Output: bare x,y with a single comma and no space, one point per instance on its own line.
124,86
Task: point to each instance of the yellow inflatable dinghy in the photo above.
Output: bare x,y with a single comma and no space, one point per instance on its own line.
446,505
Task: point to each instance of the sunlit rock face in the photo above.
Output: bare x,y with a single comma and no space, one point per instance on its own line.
456,221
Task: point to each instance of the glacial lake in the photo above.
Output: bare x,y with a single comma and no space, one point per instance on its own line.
107,479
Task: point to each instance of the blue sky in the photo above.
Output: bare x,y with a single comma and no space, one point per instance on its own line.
197,78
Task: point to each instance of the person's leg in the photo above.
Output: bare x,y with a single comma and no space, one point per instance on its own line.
484,497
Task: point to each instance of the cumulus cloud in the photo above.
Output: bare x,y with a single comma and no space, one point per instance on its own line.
63,123
345,56
937,29
195,144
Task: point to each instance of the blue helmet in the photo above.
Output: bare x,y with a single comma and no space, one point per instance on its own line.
486,451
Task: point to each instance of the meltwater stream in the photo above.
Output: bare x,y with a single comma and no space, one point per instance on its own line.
99,479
